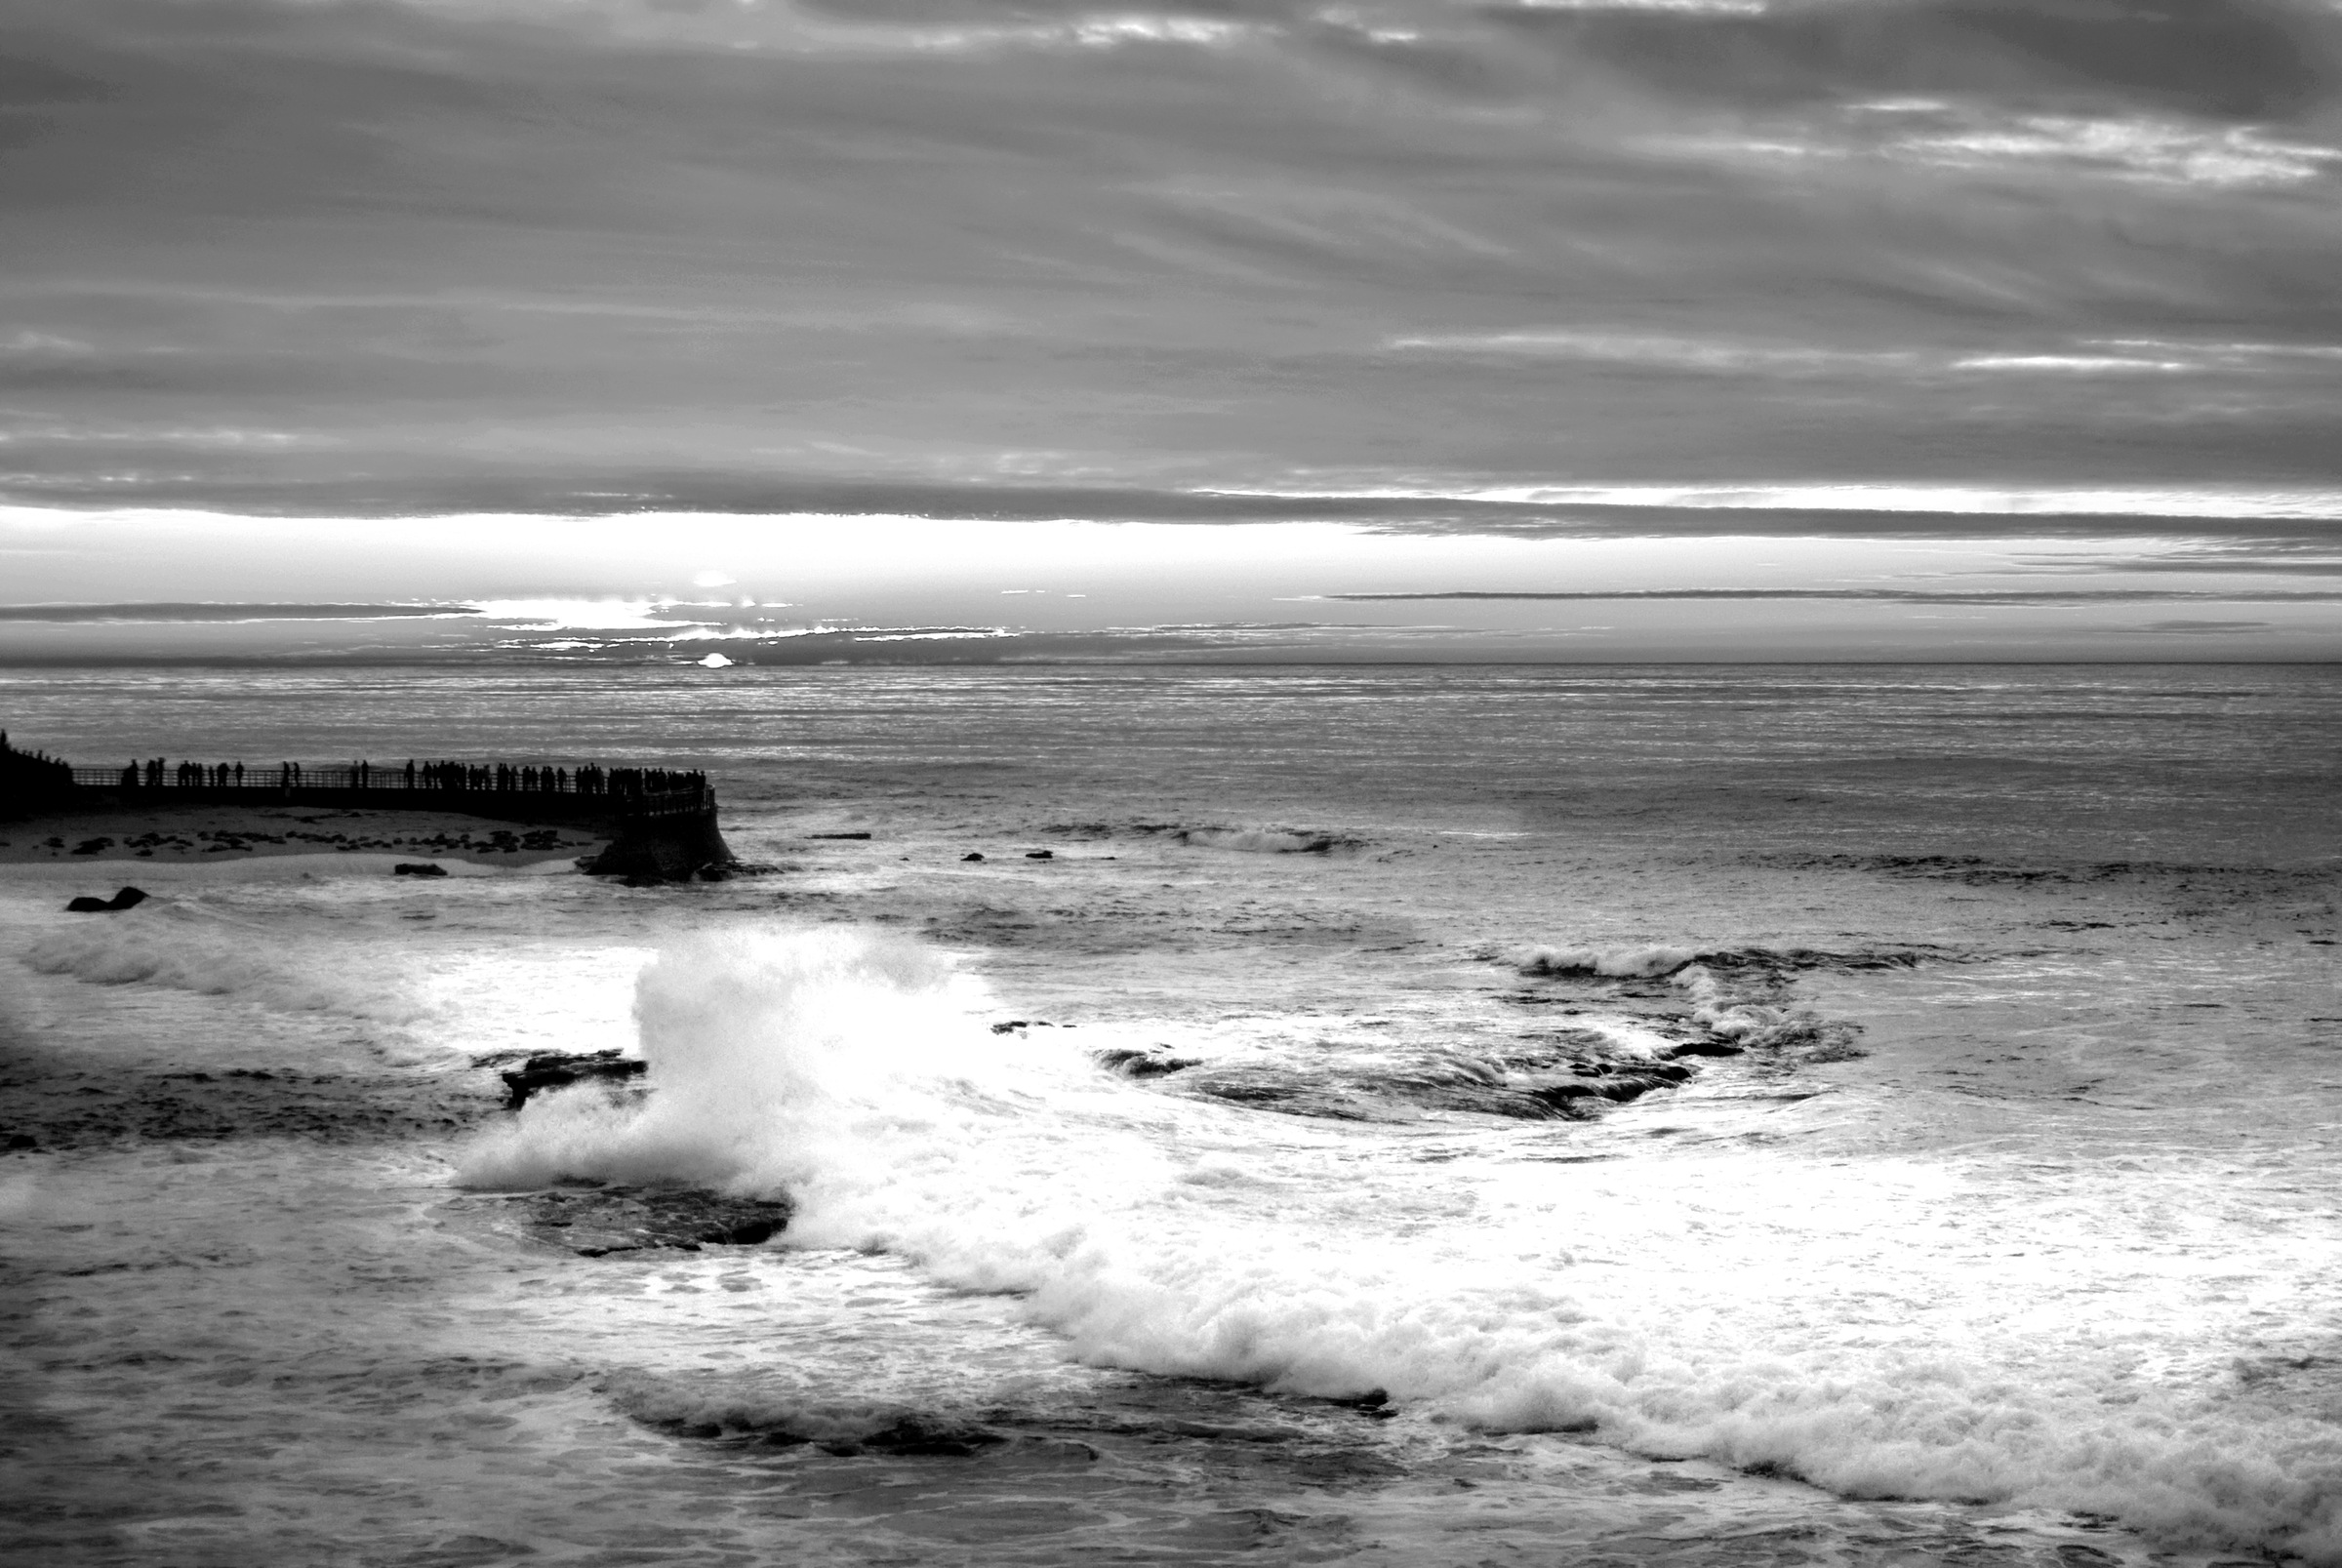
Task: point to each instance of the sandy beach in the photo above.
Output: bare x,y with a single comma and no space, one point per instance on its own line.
208,834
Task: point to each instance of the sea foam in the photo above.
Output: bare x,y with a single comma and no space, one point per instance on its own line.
1260,840
1617,963
177,947
1861,1328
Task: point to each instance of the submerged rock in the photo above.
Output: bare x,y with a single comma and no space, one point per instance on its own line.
924,1436
419,868
556,1070
599,1221
741,1417
126,899
674,848
1132,1064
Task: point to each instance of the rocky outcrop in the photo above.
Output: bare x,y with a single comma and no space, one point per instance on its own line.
599,1221
31,782
1154,1064
126,899
557,1069
58,1098
671,848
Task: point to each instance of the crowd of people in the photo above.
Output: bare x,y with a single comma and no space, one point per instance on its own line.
500,776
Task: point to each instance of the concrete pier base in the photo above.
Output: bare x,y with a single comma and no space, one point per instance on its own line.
674,847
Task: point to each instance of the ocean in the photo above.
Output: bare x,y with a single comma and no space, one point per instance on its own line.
1411,1116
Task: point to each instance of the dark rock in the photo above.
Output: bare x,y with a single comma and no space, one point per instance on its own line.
971,856
556,1070
838,835
1144,1064
910,1435
1633,1085
1012,1026
67,1103
419,868
650,850
91,846
126,899
1559,1096
599,1221
919,1434
1040,855
1705,1048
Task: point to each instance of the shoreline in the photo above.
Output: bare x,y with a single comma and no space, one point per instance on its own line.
195,836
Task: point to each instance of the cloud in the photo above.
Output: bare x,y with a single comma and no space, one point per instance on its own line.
2170,152
234,612
2234,59
404,256
1674,353
2043,597
2252,521
1717,356
2072,364
2268,557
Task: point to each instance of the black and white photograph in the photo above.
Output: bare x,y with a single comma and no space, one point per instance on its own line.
990,783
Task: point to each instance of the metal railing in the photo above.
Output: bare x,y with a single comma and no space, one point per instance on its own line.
648,791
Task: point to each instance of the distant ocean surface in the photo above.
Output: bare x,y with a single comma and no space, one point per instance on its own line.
1686,1116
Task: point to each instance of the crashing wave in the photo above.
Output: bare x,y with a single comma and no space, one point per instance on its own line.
1618,963
1261,840
859,1075
180,951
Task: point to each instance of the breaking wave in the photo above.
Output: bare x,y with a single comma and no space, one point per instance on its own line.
1730,1015
784,1418
1262,840
182,950
1737,996
1724,1306
1620,963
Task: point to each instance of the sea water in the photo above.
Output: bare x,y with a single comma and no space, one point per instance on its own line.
1226,1184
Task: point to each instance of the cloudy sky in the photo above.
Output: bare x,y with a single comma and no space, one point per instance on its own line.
1229,328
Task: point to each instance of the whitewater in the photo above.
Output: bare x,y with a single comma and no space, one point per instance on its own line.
1696,1115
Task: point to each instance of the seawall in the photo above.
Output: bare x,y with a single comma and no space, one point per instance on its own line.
662,824
667,848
